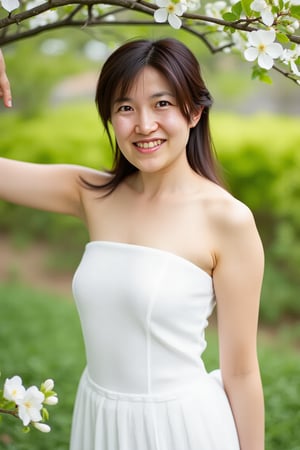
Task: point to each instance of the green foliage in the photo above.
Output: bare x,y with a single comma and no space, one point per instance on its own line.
43,339
33,73
261,161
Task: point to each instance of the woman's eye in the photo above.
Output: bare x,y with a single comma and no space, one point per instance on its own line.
163,103
125,108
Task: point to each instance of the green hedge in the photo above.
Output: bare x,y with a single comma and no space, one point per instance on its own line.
261,160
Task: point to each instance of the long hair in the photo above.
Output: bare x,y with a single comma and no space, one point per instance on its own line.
179,66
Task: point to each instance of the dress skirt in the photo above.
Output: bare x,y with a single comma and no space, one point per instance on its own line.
197,418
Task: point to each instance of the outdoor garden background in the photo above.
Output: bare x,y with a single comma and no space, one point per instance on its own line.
256,132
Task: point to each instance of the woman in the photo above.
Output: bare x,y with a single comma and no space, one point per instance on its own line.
167,242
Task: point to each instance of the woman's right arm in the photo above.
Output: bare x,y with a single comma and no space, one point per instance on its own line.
51,187
5,92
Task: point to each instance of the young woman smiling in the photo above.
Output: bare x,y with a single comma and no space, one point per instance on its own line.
167,243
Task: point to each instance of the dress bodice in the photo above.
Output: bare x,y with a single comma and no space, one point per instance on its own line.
143,313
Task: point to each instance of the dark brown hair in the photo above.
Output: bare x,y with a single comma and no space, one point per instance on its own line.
178,64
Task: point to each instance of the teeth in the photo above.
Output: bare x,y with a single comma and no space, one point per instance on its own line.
149,144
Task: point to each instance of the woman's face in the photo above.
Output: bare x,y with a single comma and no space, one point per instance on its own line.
150,129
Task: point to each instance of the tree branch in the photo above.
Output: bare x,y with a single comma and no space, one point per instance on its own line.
14,27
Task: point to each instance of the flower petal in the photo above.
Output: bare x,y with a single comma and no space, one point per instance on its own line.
179,9
274,50
265,61
254,38
162,3
161,15
10,5
251,53
267,17
267,37
174,21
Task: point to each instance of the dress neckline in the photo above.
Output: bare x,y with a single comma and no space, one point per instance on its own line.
152,249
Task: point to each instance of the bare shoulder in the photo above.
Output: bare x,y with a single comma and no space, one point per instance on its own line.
227,213
236,242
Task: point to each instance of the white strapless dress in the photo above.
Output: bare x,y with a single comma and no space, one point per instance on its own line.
143,313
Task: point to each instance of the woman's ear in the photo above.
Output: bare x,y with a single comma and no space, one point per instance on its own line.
196,117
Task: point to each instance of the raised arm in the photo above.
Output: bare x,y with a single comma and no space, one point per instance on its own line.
53,187
5,92
237,281
50,187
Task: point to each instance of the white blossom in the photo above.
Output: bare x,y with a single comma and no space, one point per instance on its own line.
263,48
295,2
215,9
10,5
192,5
293,26
29,407
290,57
42,19
265,11
13,389
169,11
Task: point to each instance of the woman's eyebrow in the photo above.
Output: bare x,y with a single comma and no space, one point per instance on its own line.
155,95
162,94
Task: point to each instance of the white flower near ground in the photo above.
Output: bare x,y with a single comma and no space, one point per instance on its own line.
263,48
265,11
10,5
29,407
43,427
169,11
13,389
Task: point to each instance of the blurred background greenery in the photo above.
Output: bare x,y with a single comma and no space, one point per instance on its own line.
257,137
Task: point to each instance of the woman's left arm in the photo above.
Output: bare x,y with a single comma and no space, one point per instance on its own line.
237,281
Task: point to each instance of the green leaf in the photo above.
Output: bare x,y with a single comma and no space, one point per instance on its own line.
26,429
237,9
266,78
246,7
229,17
295,11
261,74
281,37
45,414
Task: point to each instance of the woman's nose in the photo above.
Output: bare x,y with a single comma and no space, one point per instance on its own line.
146,123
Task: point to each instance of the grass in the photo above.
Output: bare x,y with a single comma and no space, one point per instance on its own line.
40,338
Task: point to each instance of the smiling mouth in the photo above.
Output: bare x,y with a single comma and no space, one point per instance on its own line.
150,145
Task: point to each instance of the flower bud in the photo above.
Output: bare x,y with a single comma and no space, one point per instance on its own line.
48,385
43,427
52,400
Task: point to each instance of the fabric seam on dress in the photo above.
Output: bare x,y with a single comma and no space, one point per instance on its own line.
148,352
